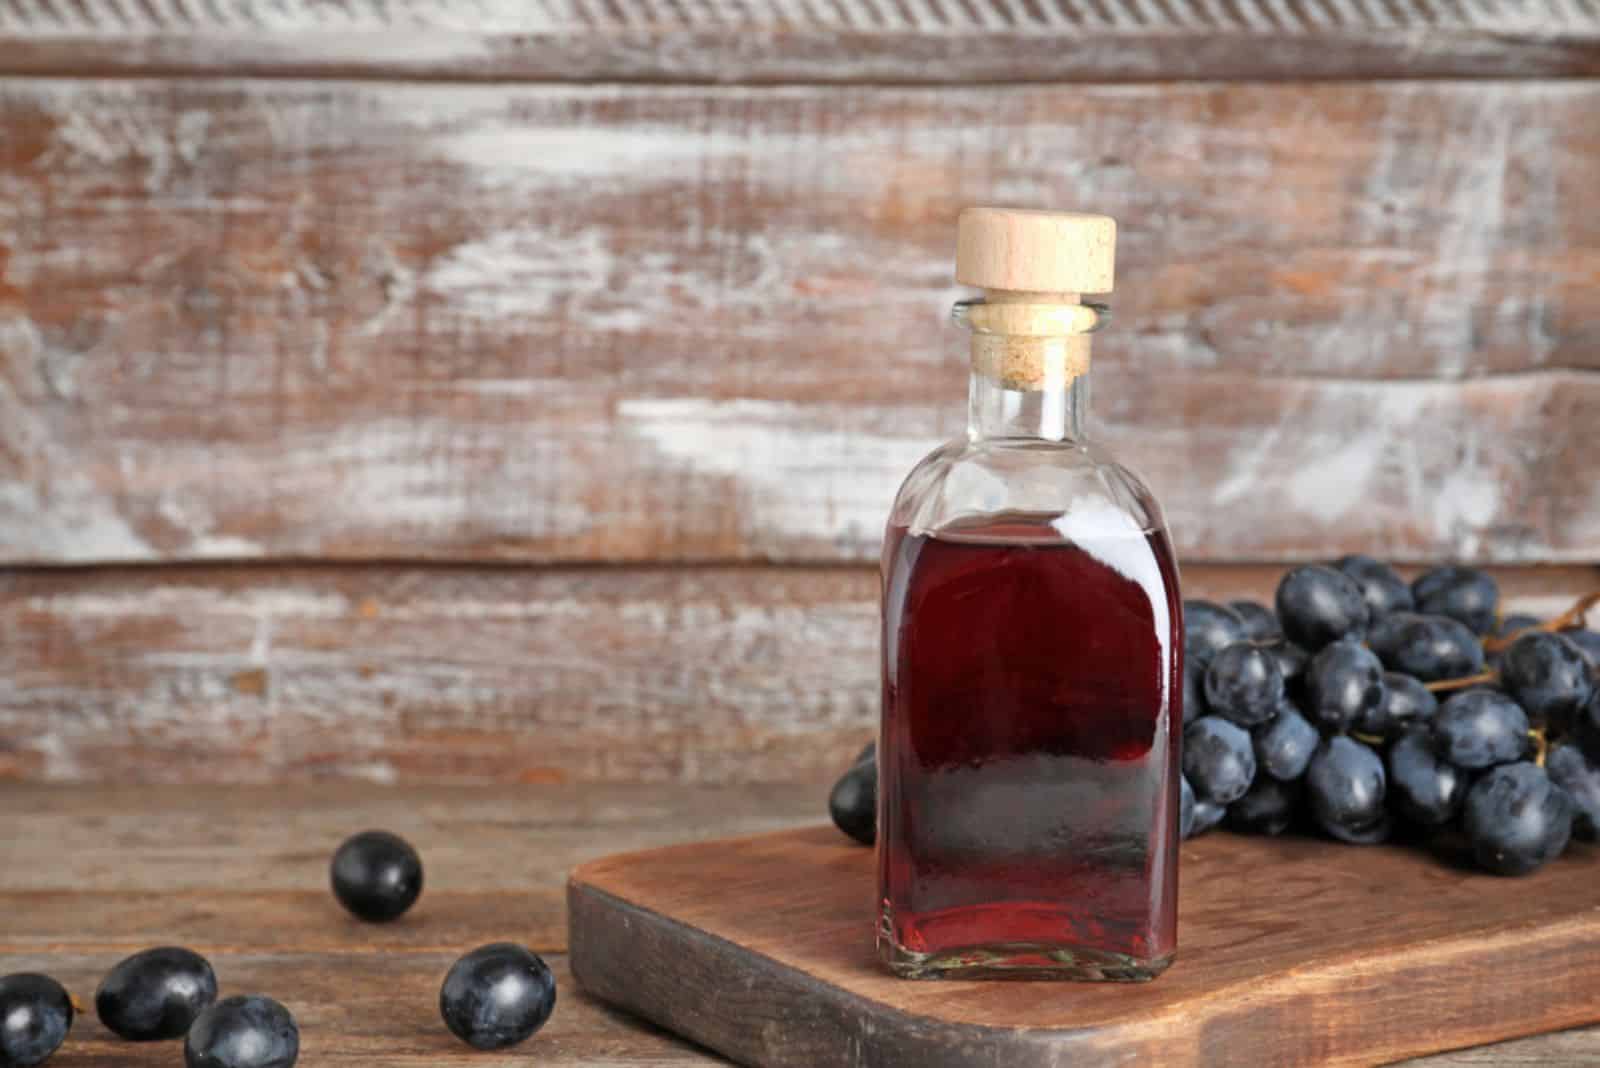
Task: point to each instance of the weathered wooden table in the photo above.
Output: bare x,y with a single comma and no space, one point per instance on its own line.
88,875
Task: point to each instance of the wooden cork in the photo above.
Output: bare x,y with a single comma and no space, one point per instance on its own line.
1037,252
1031,332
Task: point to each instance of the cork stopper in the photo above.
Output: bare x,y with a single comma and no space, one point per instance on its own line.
1030,332
1036,251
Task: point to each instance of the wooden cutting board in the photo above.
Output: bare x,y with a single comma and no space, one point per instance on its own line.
1291,951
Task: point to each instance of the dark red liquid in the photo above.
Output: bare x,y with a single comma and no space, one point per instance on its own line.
1028,758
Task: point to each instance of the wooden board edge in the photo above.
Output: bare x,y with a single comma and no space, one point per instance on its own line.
611,940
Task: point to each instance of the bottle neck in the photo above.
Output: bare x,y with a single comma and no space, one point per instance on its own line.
1030,366
1058,412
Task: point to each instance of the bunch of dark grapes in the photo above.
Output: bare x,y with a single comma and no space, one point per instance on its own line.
1364,709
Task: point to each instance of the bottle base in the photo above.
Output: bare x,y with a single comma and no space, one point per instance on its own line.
1020,961
1017,961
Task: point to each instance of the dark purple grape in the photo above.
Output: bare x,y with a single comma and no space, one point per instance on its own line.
497,996
1284,747
377,876
1345,785
1406,702
251,1031
35,1016
1381,586
156,995
1344,683
1207,815
1259,622
1574,773
1586,728
1548,676
1208,628
1425,789
1185,808
1428,648
1292,660
1194,691
853,802
1243,684
1218,759
1462,593
1318,605
1517,819
1479,729
1508,626
1588,643
1268,807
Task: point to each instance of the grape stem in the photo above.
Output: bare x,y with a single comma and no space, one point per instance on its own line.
1541,745
1576,616
1442,685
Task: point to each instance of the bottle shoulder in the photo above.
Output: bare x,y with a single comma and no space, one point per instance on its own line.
963,479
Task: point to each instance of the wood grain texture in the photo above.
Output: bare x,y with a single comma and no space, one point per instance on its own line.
267,320
772,40
96,870
467,674
761,948
84,872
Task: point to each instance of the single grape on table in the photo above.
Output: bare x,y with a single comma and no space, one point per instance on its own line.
377,876
497,996
157,994
248,1031
853,803
1363,708
35,1016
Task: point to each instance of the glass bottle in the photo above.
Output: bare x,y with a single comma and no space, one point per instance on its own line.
1032,652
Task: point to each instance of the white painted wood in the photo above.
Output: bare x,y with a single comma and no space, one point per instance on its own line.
266,320
469,675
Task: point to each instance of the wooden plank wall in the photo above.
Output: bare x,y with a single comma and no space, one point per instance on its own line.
341,342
